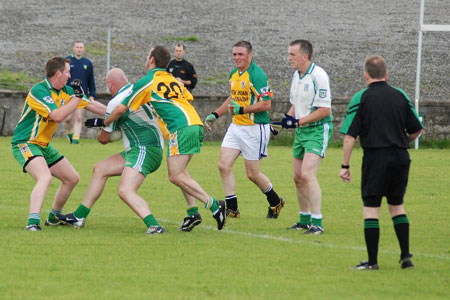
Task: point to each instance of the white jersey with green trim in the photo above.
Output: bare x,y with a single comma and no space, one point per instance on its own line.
138,127
310,91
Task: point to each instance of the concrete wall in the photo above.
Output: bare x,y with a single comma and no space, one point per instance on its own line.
436,115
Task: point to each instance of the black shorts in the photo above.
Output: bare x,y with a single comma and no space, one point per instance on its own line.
385,173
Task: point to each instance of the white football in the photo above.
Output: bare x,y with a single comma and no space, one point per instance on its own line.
115,136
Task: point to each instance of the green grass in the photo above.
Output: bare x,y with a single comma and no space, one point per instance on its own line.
18,81
252,258
191,38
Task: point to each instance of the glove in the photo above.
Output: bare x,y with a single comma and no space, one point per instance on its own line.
235,109
273,130
211,118
77,89
289,122
96,122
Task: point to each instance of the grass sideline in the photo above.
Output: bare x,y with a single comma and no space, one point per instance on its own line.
252,258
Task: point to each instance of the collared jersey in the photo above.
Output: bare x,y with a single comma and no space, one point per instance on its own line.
35,125
168,97
140,127
381,115
247,88
309,92
184,70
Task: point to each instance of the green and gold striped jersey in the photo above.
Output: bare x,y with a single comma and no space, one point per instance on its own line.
35,125
168,97
247,88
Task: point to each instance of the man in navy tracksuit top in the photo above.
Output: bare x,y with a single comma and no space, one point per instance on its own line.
80,68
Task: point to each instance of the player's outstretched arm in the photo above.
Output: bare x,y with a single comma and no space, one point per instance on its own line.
97,108
116,114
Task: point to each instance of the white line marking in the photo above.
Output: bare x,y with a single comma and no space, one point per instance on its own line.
314,243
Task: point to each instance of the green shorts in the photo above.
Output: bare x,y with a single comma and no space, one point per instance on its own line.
26,152
314,139
187,140
143,159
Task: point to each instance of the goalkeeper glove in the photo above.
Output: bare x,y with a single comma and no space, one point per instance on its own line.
289,122
77,89
211,118
235,109
96,122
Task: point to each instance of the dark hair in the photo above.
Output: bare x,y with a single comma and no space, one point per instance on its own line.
244,44
55,64
180,45
161,55
305,47
375,66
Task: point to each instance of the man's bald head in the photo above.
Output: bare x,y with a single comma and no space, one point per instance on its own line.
115,80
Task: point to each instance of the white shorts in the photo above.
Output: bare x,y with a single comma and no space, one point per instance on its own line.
251,140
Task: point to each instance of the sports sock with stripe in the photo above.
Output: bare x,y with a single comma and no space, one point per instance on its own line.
372,237
272,196
150,220
34,219
212,205
231,201
54,215
316,219
82,211
401,226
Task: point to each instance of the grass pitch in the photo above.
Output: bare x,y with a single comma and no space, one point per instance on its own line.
252,258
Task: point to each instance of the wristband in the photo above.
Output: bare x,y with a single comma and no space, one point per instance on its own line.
215,114
241,110
345,166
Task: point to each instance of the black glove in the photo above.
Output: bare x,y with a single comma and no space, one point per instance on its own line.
96,122
77,89
289,121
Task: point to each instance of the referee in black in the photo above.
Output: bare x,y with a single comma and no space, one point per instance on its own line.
181,69
386,122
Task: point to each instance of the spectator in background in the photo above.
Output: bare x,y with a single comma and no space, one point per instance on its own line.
181,69
80,68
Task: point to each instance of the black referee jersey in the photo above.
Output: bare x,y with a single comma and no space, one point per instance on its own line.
184,70
382,116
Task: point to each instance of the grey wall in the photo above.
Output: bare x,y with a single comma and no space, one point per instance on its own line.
436,115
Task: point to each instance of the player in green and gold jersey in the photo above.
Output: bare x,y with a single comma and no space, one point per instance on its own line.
47,104
249,133
170,101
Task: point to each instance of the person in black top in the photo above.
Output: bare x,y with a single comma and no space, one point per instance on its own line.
386,122
181,69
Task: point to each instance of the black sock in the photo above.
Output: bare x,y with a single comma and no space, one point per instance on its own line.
231,201
272,196
401,226
372,237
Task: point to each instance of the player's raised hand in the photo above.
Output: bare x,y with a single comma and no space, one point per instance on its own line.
77,89
235,109
96,122
289,122
211,118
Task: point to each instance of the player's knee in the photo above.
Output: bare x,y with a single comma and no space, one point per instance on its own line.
253,176
223,168
174,178
45,179
123,193
73,180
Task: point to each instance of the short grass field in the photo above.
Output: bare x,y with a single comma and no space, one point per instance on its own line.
252,258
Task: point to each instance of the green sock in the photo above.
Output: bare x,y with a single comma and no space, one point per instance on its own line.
192,210
212,205
53,216
34,219
82,212
317,222
305,219
150,220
